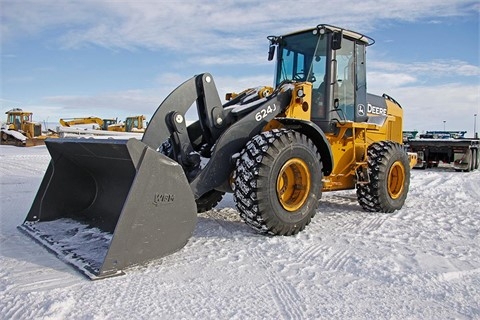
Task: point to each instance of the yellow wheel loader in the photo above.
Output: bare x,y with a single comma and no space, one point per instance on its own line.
105,205
131,124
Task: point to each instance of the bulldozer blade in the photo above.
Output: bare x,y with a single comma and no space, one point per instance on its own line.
106,205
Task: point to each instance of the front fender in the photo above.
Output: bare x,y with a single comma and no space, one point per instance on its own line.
318,137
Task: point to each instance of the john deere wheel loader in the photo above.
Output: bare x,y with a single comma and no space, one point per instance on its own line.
106,205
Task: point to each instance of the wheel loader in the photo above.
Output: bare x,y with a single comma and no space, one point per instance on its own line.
107,205
131,124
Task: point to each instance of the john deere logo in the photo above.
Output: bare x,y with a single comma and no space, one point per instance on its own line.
361,110
163,198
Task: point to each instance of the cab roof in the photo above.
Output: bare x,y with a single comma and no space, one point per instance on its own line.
349,33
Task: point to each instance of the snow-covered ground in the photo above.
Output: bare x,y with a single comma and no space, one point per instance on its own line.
422,262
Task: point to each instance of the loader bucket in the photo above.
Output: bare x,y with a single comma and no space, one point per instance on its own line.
105,205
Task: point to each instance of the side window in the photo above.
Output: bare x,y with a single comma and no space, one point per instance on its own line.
320,87
361,80
300,73
285,67
292,67
361,84
346,79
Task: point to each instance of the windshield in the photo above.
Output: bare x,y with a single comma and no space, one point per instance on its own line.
302,57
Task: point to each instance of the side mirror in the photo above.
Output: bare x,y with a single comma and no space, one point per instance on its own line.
271,52
337,40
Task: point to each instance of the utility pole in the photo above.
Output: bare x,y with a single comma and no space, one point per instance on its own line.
475,136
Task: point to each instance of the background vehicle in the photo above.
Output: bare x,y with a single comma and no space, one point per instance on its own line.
449,147
276,149
102,124
68,122
20,130
131,124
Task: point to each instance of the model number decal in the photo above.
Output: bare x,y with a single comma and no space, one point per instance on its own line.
264,112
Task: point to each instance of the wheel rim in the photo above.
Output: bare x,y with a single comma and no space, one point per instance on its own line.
396,180
293,184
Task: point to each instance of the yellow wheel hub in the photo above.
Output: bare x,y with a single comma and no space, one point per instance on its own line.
396,180
293,184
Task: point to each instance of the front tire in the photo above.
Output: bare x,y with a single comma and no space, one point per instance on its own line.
389,178
278,182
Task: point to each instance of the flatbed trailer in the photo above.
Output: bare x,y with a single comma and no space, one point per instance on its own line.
449,147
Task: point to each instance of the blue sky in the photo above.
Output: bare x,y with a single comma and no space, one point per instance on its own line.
110,59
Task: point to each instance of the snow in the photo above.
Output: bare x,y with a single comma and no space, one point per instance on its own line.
17,135
76,243
75,132
421,262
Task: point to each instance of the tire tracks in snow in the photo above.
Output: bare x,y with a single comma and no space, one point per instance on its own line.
24,165
373,222
472,185
312,252
356,221
38,270
283,292
337,260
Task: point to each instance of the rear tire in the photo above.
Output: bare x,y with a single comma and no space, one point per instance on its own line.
389,174
278,182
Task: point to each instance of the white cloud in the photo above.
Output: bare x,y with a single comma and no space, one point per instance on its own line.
427,103
108,105
378,80
217,33
200,25
435,68
132,102
426,107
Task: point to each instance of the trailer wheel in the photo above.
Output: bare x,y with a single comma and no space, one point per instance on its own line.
389,174
477,158
473,159
470,159
278,182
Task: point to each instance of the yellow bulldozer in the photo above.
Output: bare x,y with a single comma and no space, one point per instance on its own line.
20,130
275,148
